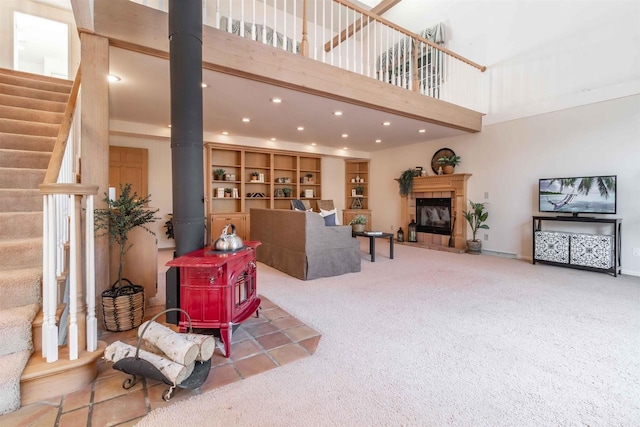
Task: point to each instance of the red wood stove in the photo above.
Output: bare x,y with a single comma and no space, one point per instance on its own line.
218,289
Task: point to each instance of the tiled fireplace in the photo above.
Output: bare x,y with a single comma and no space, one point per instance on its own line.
452,186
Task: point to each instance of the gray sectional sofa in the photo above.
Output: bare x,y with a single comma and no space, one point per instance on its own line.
299,244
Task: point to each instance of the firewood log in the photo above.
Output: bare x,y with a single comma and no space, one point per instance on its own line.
173,344
174,372
206,344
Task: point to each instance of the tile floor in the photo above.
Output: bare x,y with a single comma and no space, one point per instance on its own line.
259,344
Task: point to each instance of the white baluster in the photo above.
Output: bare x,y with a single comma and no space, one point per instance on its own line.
339,44
90,292
217,14
295,21
254,36
45,273
72,339
241,18
230,18
331,34
52,297
275,24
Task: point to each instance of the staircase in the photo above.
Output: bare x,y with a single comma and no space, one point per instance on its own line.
31,112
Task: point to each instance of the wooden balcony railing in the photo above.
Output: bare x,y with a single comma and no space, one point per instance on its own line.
344,35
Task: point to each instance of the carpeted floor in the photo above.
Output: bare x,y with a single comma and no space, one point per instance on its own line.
433,338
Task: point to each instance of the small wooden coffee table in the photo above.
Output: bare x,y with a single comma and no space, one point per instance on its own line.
372,242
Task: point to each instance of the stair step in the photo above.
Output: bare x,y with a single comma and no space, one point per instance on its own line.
32,104
17,225
24,159
41,380
17,200
21,178
60,86
14,141
30,115
26,92
28,128
20,287
12,366
20,253
31,76
15,324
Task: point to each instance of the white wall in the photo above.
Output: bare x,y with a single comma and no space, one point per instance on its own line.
507,159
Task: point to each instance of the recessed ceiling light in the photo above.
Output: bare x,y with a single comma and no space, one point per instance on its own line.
273,139
313,143
225,133
169,126
276,100
113,78
246,119
203,84
300,128
345,148
378,141
345,135
386,123
337,113
422,130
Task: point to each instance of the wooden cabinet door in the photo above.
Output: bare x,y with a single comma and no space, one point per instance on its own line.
239,220
129,165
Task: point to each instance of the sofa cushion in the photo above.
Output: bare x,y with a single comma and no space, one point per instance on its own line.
325,213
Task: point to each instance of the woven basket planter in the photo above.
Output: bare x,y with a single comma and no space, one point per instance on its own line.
123,307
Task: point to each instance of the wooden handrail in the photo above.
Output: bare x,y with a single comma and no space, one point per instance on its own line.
55,162
415,37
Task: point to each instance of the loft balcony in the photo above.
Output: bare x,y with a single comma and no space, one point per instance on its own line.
328,49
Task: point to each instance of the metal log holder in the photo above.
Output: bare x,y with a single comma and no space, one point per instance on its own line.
135,366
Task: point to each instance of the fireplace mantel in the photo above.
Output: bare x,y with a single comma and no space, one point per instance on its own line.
454,186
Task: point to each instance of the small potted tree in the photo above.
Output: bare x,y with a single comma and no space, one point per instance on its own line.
123,304
287,191
254,176
309,177
449,163
476,218
358,223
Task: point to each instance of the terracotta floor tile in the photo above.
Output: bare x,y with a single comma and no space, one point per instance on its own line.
220,376
244,349
118,410
266,304
273,340
253,319
112,386
287,322
77,399
77,418
218,358
240,334
310,344
289,353
276,313
105,369
131,423
260,329
301,332
254,365
36,414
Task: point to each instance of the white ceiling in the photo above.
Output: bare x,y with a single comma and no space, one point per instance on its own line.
143,96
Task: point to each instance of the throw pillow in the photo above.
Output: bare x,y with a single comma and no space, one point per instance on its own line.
330,220
324,213
298,205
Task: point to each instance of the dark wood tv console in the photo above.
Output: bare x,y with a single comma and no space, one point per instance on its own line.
594,252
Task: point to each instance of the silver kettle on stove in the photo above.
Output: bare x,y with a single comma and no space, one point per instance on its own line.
228,241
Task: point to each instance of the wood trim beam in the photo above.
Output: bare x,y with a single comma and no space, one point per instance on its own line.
379,9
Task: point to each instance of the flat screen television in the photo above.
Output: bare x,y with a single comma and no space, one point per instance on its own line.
580,195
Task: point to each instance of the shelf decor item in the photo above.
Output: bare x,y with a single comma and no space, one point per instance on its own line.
406,182
413,235
123,304
219,174
358,223
449,163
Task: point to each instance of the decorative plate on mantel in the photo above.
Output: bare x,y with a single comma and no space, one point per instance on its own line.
443,152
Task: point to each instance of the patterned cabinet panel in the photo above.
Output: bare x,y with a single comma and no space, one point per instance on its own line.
592,250
552,246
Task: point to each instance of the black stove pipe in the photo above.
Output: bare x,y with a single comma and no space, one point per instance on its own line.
185,54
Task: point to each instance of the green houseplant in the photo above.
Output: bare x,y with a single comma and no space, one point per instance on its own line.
476,218
449,163
358,223
219,173
406,182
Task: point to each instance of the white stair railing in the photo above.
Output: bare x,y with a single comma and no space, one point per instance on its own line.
344,35
62,226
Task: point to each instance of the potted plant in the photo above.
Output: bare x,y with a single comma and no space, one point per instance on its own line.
406,182
254,176
219,173
120,217
169,227
287,191
309,177
359,190
449,163
476,218
358,223
227,192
